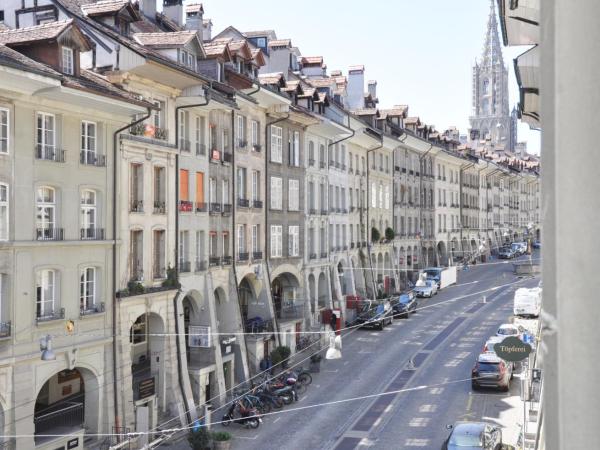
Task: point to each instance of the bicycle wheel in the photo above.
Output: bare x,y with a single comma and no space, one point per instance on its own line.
305,378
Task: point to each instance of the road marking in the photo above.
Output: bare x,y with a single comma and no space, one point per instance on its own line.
277,420
346,363
302,399
237,436
333,371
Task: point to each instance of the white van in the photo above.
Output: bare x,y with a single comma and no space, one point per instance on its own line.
528,302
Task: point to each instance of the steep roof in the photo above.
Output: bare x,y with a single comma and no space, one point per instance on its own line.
215,49
106,7
280,43
165,40
26,35
12,58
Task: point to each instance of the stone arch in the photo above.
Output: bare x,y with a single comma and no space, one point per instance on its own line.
285,290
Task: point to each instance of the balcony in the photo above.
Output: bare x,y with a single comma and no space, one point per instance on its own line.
185,266
63,416
311,162
313,256
242,144
149,131
159,208
411,172
91,234
200,149
291,311
243,256
200,266
214,261
257,256
345,248
5,330
215,208
201,207
351,244
312,211
185,206
257,148
324,212
48,316
92,159
95,309
323,254
258,204
227,158
331,163
226,261
49,234
49,153
136,206
243,203
185,145
226,209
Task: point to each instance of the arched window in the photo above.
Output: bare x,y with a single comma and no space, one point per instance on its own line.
486,86
3,212
88,214
46,213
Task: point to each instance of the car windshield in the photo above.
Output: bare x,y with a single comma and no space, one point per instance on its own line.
465,440
507,331
431,273
487,367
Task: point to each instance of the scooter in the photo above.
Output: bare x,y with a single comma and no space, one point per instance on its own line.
249,417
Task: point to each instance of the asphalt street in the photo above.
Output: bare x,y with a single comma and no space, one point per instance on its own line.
424,364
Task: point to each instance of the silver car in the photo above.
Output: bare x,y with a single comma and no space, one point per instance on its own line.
428,290
474,436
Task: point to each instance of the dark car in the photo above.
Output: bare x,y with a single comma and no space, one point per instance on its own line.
474,436
491,372
506,253
403,305
537,244
374,315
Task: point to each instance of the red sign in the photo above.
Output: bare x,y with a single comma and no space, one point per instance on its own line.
216,155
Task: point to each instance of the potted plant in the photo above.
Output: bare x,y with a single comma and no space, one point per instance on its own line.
171,281
280,355
221,440
389,234
375,235
200,439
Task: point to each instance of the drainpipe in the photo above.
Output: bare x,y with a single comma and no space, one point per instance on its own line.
267,202
175,300
369,241
114,269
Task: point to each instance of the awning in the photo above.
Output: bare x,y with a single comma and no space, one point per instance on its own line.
527,70
519,21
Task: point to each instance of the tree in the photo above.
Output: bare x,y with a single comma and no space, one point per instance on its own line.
375,235
389,234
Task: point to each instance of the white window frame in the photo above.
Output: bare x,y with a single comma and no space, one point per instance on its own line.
255,133
46,284
4,130
4,211
88,277
276,193
294,240
255,185
255,238
276,144
89,209
68,60
241,128
241,238
276,241
89,141
225,192
43,205
293,195
43,131
387,197
295,160
373,195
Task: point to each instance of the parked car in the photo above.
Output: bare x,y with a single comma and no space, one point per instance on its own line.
403,305
509,329
375,314
506,253
491,371
429,289
519,248
473,436
537,244
489,347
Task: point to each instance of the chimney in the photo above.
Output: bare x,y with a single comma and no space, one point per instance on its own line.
148,8
356,86
194,15
206,30
373,89
173,9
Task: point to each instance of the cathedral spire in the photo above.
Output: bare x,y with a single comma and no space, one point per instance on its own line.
492,52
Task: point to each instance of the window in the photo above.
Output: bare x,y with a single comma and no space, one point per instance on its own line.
159,190
3,130
373,195
88,214
212,190
387,197
294,240
225,193
241,183
45,287
276,193
184,185
255,238
255,133
158,257
46,212
261,42
311,153
137,255
293,195
276,245
45,135
294,146
3,212
255,185
87,289
241,239
381,195
67,61
156,114
199,189
137,187
88,142
276,144
184,143
241,131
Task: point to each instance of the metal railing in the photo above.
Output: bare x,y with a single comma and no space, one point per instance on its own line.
47,316
90,158
96,309
257,204
215,208
313,256
185,206
160,207
49,153
226,260
257,147
226,209
323,254
185,266
243,202
185,145
201,207
159,272
200,266
71,414
49,234
243,256
227,158
257,256
92,234
242,143
136,206
214,261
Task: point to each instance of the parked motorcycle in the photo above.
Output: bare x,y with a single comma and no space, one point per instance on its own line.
249,417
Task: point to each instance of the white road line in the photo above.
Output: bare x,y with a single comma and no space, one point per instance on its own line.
276,420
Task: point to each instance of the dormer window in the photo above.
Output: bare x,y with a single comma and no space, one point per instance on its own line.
67,61
240,65
261,42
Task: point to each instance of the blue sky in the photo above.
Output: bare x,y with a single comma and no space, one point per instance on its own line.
420,52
